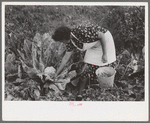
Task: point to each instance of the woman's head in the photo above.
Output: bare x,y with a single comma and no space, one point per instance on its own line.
62,34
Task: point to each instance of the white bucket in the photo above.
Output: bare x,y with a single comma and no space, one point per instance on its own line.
105,76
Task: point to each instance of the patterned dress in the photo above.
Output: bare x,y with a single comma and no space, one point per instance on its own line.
84,35
81,35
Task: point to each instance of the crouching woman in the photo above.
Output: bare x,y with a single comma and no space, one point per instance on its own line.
95,40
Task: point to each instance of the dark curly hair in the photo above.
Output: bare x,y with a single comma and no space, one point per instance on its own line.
61,33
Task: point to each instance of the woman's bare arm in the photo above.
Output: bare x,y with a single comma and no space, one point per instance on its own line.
103,43
65,59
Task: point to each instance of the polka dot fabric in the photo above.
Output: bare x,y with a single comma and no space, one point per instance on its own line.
90,72
70,47
84,34
88,34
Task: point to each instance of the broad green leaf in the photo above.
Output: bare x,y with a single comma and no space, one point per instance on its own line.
55,88
24,66
18,81
37,93
41,60
36,64
11,57
37,39
48,48
34,55
25,94
46,36
63,74
65,98
9,97
12,77
27,48
32,72
62,83
21,54
20,71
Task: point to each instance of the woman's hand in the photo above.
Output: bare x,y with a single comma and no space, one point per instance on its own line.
104,58
55,77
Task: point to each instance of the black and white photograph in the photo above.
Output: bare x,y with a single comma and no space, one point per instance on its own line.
75,54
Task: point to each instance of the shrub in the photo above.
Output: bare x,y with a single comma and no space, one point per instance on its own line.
127,27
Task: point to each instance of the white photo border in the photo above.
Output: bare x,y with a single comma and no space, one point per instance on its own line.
87,111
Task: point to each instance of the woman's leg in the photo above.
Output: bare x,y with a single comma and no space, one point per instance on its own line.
82,84
88,75
83,80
